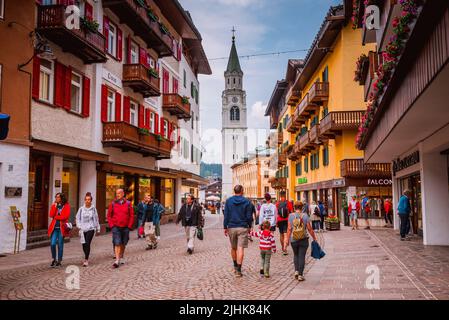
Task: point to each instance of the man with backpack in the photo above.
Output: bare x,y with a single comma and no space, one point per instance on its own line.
284,208
120,219
299,229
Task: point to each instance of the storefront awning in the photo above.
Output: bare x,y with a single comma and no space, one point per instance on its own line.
66,151
188,178
119,168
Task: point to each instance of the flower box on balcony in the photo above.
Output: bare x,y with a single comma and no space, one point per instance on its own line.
89,25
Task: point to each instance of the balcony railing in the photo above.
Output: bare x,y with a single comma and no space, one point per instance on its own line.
280,137
128,138
138,19
274,119
293,97
278,183
87,45
356,168
314,134
336,122
173,103
319,92
304,141
138,77
292,126
292,153
282,159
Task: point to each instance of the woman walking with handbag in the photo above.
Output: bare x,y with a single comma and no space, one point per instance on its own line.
59,227
87,222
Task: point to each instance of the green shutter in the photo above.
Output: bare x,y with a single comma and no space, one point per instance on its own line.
306,164
317,162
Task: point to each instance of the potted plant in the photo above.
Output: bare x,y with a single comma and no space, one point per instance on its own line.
159,137
164,29
89,25
361,70
185,100
332,223
153,73
144,132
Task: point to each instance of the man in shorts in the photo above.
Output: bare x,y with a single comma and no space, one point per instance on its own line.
284,208
238,219
120,220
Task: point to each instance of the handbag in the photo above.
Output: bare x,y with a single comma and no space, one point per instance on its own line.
141,231
67,227
317,252
199,233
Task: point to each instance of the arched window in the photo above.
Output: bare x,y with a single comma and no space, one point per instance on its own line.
235,113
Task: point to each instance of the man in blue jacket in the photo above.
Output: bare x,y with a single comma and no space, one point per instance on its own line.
404,210
238,219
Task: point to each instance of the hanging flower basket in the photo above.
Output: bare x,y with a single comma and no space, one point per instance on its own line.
361,71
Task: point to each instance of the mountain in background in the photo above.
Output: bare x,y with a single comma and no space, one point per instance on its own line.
210,169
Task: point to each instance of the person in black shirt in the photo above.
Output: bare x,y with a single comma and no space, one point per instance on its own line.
191,218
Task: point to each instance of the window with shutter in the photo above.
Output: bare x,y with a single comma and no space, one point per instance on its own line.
106,32
86,97
43,80
127,110
141,120
118,107
175,85
88,11
152,119
104,103
165,81
110,106
59,84
112,40
67,87
119,44
76,95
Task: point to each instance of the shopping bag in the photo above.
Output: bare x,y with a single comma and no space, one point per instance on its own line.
199,233
317,252
141,231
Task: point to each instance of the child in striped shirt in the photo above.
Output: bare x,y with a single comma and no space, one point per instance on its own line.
267,245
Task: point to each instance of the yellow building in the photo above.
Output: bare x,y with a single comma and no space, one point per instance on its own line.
253,173
317,110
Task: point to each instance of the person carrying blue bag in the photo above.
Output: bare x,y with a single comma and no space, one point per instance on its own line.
317,252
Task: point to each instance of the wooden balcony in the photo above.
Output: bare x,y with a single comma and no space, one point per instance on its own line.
137,18
278,183
274,119
138,78
293,97
173,104
304,142
292,125
356,168
127,137
335,122
282,159
87,45
314,134
292,153
319,92
280,137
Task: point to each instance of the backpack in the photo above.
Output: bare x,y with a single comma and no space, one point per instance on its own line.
283,210
299,229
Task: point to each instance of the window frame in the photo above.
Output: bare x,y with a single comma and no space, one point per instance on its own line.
136,46
152,122
166,129
110,115
51,86
112,43
136,113
80,88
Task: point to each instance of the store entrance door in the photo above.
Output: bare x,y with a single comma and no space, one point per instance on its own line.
39,181
413,183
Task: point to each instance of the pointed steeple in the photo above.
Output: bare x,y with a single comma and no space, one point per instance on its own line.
233,62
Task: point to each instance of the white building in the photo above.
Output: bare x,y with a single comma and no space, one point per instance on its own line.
234,120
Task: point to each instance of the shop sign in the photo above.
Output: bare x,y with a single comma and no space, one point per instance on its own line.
302,180
401,164
112,78
339,183
380,182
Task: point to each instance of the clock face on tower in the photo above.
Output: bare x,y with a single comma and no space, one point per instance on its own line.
235,99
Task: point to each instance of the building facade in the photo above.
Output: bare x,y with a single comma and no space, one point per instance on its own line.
407,119
109,105
253,173
15,97
234,122
319,110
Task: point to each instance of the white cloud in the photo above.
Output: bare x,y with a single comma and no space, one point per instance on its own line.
257,118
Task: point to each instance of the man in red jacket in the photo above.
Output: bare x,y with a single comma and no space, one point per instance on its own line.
120,220
284,209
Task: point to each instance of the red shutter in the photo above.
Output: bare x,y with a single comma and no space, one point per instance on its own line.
156,124
106,32
88,11
36,76
143,56
165,81
175,85
141,116
67,87
59,84
126,109
118,107
147,119
170,131
104,103
162,127
119,45
128,49
86,97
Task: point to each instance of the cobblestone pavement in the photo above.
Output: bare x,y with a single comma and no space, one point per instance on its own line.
170,273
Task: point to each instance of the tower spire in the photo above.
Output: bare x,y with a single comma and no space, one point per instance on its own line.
233,62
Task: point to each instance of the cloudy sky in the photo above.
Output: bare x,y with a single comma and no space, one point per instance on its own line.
262,26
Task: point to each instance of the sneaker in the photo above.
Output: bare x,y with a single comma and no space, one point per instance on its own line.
85,264
285,253
261,272
296,275
115,265
408,239
301,278
149,247
189,251
58,264
267,275
402,239
238,274
158,238
53,264
122,261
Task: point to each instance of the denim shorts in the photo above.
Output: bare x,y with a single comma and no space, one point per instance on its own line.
120,236
354,215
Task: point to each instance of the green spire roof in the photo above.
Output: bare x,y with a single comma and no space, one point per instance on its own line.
233,62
